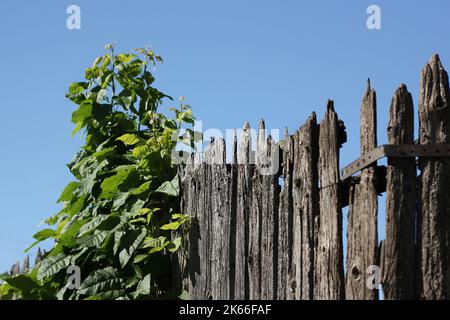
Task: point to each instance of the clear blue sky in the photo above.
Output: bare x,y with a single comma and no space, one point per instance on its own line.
233,60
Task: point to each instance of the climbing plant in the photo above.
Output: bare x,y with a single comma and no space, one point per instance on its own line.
120,213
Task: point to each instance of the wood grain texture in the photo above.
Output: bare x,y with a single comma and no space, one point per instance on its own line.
362,237
269,223
243,206
434,210
263,236
219,187
285,220
255,223
398,259
196,267
329,275
305,195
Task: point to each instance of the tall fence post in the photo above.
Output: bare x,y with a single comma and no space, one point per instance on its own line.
195,267
254,245
305,195
362,237
243,205
285,220
219,190
329,276
263,239
398,261
434,211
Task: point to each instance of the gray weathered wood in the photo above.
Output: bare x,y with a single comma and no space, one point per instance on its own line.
329,275
252,239
254,244
220,220
15,269
305,195
243,205
285,217
398,260
269,221
434,211
362,237
196,267
262,226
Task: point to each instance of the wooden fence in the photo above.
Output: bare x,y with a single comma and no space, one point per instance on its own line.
17,269
269,225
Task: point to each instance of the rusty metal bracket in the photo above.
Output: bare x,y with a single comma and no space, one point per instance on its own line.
395,151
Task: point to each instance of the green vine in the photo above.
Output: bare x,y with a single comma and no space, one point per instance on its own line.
120,217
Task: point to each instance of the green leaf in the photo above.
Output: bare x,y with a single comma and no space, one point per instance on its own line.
22,282
68,193
44,234
144,286
52,265
129,139
151,242
117,237
94,240
82,113
90,179
129,242
110,223
141,151
120,200
91,225
77,87
104,154
143,211
170,188
124,101
179,215
105,283
174,245
77,128
77,206
172,226
67,239
32,246
142,188
110,186
140,257
41,236
101,95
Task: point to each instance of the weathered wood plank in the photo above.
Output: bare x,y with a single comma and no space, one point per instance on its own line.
262,221
399,247
434,211
269,221
362,237
305,209
329,275
233,182
220,220
196,268
255,223
243,205
285,217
